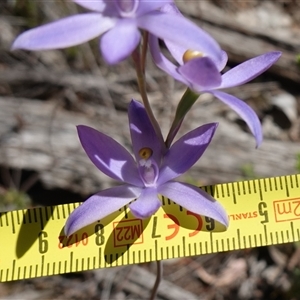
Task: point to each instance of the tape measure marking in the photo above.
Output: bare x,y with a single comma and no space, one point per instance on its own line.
262,212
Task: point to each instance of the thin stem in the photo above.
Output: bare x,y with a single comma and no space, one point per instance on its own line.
144,51
159,273
142,87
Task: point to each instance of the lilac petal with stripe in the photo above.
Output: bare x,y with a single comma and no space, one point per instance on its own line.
185,152
120,41
202,73
180,31
99,206
195,200
245,111
249,70
64,33
109,156
142,132
146,204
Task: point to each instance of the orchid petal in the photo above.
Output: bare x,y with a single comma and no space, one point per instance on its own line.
249,69
195,200
146,6
146,204
185,152
245,111
96,5
142,132
109,156
201,73
170,8
178,51
179,30
162,62
64,33
119,42
99,206
222,63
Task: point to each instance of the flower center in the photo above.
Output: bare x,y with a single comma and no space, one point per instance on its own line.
126,8
145,153
147,166
190,54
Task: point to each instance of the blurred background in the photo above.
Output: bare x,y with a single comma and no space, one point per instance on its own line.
44,95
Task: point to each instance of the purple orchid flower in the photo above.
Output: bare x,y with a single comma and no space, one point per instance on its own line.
149,174
202,73
119,21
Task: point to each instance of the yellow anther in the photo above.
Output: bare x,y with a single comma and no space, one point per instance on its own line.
190,54
145,153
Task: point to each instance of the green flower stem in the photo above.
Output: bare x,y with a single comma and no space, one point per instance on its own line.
187,101
159,273
142,87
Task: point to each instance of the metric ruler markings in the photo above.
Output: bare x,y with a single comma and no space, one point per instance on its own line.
262,212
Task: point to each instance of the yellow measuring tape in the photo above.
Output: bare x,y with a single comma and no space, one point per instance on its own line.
262,212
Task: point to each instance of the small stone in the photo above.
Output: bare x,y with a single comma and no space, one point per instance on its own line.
287,103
